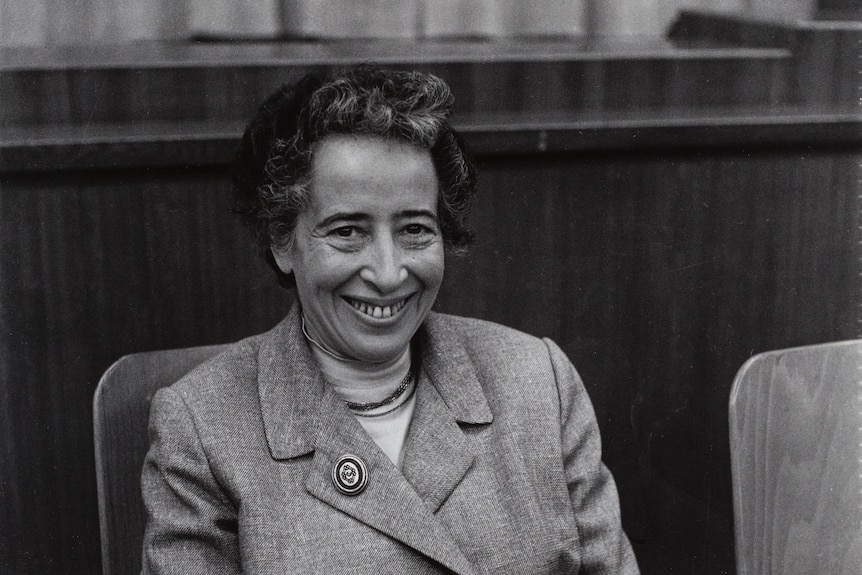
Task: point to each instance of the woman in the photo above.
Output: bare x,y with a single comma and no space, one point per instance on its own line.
366,433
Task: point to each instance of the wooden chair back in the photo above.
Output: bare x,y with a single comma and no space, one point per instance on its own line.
796,454
121,408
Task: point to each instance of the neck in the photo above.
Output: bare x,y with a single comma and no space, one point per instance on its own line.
359,381
359,374
318,347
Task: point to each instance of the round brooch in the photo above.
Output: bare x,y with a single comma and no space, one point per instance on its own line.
350,475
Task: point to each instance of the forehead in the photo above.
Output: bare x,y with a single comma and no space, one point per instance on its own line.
361,171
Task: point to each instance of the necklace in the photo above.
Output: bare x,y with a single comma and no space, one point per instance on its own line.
320,345
361,409
405,383
388,411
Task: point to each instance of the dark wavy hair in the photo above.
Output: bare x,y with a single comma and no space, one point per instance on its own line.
272,167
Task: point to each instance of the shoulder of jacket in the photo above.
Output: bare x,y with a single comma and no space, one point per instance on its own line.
487,336
223,376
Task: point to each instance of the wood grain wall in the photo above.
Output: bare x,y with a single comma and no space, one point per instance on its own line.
658,274
94,267
188,83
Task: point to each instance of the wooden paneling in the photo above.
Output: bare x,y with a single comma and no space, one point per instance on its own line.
825,63
828,63
659,275
93,267
734,29
837,5
662,276
34,149
190,82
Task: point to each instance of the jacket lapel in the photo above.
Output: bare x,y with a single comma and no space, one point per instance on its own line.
389,503
438,454
290,388
302,415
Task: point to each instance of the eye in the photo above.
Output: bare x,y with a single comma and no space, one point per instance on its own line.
345,231
418,235
347,238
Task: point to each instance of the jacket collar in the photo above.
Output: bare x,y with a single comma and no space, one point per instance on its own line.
444,357
292,390
290,387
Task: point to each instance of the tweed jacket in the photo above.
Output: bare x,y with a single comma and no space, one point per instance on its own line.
501,470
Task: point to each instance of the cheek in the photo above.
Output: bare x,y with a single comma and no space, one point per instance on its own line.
325,272
428,266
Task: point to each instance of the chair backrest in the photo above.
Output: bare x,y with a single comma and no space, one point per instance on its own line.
796,453
121,408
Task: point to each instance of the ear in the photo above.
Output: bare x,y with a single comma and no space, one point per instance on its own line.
283,258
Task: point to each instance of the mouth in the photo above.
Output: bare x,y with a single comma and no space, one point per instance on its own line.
377,311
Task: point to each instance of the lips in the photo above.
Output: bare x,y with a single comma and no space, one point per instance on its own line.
377,311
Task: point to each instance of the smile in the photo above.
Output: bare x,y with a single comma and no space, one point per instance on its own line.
376,311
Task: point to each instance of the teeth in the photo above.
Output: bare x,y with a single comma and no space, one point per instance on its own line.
376,311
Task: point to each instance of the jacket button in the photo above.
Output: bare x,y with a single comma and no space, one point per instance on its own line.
350,475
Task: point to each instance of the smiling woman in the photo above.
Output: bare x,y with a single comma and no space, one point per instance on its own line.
366,433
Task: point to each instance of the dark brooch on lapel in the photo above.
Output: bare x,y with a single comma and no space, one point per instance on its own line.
350,475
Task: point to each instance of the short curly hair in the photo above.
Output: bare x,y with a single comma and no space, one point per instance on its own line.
272,167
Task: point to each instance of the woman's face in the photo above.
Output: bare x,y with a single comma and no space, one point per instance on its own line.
367,252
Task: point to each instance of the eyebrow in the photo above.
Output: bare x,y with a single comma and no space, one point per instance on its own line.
341,217
418,214
361,217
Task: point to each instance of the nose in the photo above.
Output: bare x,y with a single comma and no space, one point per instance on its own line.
384,269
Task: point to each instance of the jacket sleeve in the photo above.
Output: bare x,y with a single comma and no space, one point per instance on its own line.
605,548
191,523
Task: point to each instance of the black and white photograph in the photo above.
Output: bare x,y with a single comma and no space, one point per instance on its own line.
418,287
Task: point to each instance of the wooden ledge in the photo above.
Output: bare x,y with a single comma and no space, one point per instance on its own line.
212,143
741,29
161,55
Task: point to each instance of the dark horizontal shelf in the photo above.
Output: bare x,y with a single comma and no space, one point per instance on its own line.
721,80
663,129
159,55
223,80
201,143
